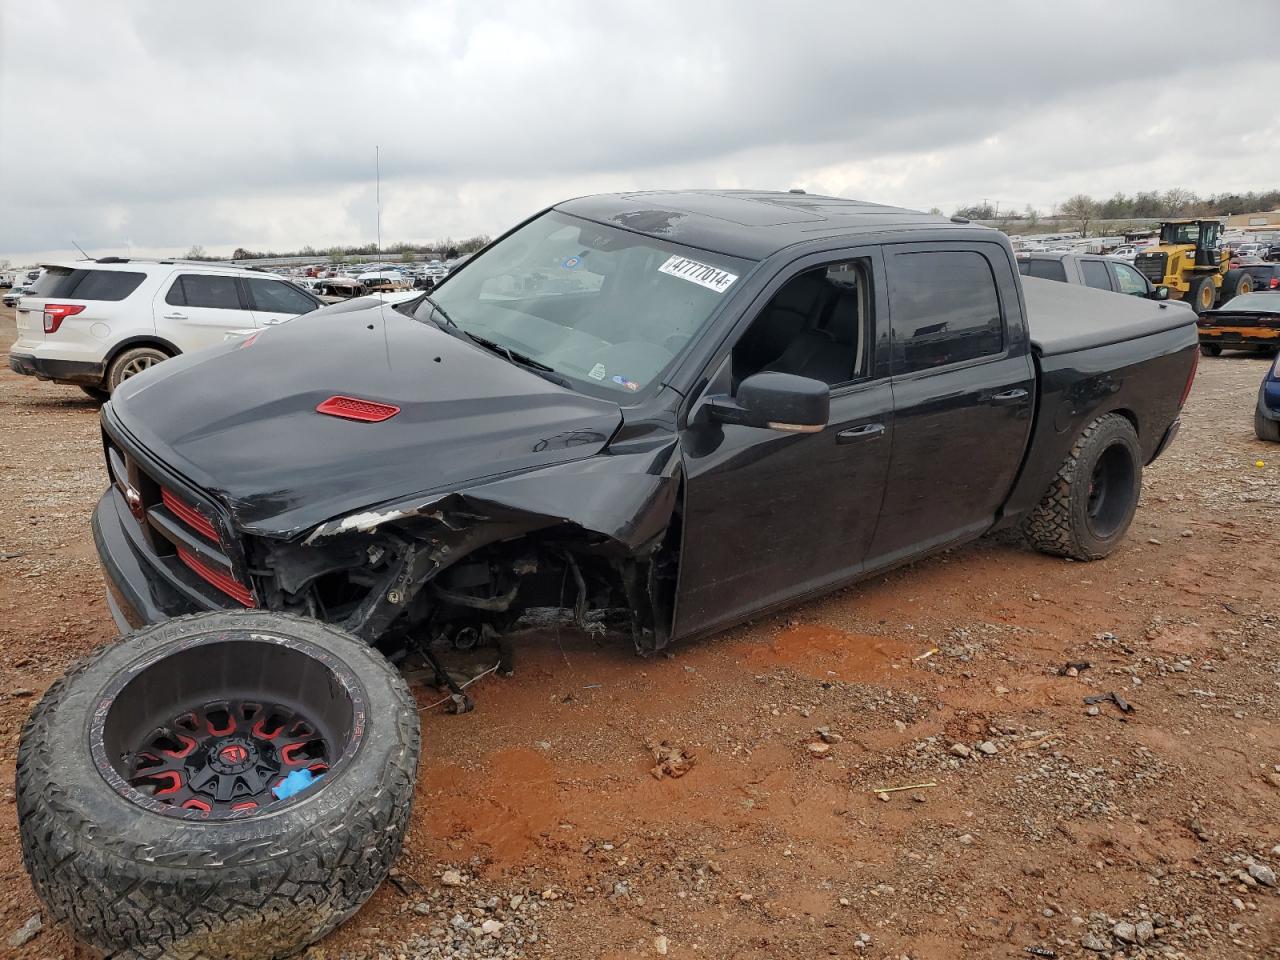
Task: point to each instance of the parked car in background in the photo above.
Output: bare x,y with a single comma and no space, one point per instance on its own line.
383,281
1266,275
14,294
309,284
1247,322
1248,249
1090,270
7,279
1266,418
96,323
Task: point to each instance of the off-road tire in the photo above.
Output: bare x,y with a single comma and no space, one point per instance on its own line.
1196,296
1060,523
1211,349
1265,429
137,884
124,365
1236,283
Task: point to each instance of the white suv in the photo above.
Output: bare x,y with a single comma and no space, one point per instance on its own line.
94,323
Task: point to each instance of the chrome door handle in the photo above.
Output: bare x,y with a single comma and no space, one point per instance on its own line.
868,431
1009,396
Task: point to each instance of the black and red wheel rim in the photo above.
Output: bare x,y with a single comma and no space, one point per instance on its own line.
227,726
227,756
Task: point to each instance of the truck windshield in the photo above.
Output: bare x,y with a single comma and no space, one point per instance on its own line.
606,308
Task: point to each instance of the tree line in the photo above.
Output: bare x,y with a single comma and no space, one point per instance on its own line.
447,249
1143,205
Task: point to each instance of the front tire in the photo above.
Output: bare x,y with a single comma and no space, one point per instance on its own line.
1265,429
183,814
1091,502
95,393
1201,294
132,362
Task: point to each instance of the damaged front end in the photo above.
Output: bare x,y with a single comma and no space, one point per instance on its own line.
594,543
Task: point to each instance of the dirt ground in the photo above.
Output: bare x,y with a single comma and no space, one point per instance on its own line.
1036,824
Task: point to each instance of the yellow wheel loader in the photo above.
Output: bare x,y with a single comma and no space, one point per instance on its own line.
1191,261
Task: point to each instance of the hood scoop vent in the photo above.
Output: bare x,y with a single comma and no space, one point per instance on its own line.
351,408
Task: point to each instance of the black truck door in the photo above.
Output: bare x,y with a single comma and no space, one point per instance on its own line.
768,514
964,391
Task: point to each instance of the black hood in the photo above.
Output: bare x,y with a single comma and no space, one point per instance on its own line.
239,421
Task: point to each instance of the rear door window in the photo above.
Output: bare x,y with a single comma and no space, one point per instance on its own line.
1043,269
204,290
1095,274
272,296
944,309
76,284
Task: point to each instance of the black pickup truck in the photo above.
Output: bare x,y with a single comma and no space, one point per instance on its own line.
653,413
662,412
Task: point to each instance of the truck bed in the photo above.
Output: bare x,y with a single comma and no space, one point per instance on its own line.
1064,317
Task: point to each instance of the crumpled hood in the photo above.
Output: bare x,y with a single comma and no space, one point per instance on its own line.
239,421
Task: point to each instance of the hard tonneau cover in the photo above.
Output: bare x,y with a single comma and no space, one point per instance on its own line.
1063,317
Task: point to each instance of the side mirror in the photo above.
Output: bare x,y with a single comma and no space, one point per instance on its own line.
776,401
1160,293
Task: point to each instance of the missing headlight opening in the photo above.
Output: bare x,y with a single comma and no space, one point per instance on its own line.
456,573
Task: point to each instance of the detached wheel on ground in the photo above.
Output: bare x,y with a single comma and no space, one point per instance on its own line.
223,785
1211,349
1091,502
132,362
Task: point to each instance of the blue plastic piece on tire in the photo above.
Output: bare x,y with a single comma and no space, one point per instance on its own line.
295,782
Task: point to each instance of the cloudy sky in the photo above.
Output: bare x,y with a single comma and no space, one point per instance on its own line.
147,127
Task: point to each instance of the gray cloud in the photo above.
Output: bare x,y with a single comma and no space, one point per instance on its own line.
254,123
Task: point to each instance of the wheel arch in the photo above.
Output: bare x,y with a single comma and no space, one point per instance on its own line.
1125,412
141,340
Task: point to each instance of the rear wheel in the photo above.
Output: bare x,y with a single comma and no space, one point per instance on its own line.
1265,429
245,778
1211,349
1201,294
1091,502
132,362
1236,283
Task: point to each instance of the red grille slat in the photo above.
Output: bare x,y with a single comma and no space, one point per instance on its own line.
351,408
189,515
233,588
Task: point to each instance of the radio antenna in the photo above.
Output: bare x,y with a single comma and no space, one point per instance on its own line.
81,249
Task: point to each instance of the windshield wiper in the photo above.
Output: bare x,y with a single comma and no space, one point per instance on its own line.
436,308
513,356
517,358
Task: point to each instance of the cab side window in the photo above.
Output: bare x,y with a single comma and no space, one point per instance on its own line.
1130,280
815,326
944,309
272,296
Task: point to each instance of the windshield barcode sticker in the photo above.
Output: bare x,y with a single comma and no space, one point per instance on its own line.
713,278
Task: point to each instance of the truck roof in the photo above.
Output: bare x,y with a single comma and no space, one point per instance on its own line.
745,223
